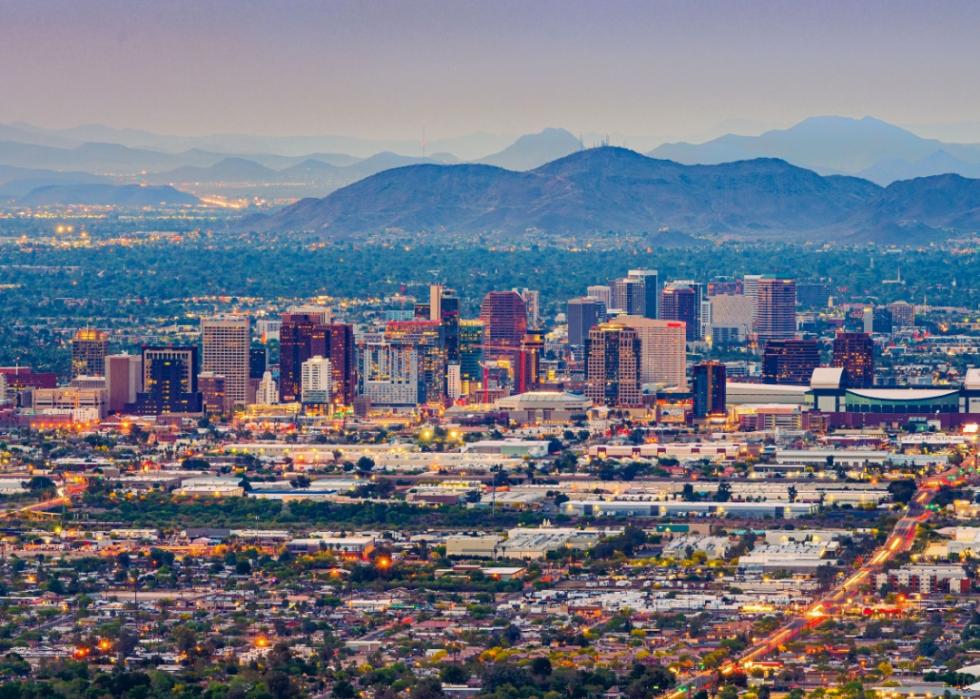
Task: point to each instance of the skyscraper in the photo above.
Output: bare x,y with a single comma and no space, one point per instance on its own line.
124,379
854,352
89,348
532,302
662,357
470,350
681,301
602,292
343,363
709,389
775,316
225,344
169,381
301,336
790,361
650,280
213,392
425,336
315,381
582,314
629,295
504,317
612,366
388,372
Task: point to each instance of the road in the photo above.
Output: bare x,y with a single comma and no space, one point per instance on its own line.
63,497
899,541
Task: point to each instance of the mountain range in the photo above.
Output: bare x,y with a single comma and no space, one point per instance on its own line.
868,147
617,190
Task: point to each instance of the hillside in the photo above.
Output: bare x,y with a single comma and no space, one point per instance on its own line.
592,191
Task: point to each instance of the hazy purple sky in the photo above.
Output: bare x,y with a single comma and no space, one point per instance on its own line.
647,70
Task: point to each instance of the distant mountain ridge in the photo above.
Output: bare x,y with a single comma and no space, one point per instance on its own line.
866,147
121,195
617,190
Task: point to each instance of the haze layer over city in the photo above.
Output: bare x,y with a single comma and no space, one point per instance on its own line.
505,350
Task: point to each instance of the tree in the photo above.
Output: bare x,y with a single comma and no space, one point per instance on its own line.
427,688
541,667
792,493
724,492
687,493
454,673
301,482
365,464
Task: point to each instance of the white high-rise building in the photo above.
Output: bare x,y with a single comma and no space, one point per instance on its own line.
224,351
663,358
315,380
454,382
388,372
267,392
3,388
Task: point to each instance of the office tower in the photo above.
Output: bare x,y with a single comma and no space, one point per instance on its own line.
89,348
882,321
435,302
612,374
663,343
775,316
169,381
388,372
454,382
343,363
709,389
184,356
790,361
532,302
225,342
532,347
258,362
681,301
601,292
812,295
3,389
301,336
650,280
214,396
267,392
315,381
903,314
868,319
124,379
504,316
732,317
471,350
750,287
582,314
426,337
855,354
629,295
449,318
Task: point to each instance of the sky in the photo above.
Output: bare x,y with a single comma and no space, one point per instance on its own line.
641,72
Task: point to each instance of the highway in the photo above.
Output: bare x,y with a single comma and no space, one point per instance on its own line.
899,541
62,498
